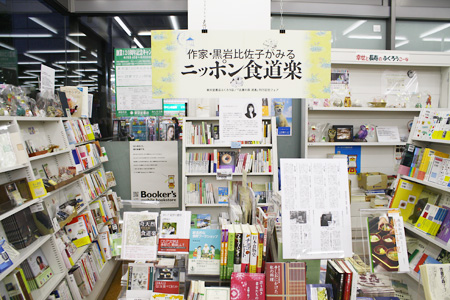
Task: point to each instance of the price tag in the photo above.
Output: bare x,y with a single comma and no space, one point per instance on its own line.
56,225
37,207
224,174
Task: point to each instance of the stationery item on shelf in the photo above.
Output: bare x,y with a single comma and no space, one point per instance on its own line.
387,243
223,194
37,269
246,286
20,232
406,160
285,280
37,188
174,231
217,293
167,280
139,238
5,261
388,134
204,251
353,157
319,291
435,281
140,280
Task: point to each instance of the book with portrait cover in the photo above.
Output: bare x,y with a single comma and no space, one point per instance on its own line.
36,268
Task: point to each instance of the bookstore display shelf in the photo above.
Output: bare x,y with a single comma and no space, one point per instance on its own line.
76,256
82,143
208,205
366,109
24,254
106,277
431,239
45,290
427,183
33,119
99,196
234,174
61,188
12,168
228,146
91,169
49,154
188,119
369,144
445,142
19,208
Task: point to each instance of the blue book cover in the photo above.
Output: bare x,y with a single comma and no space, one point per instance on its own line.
223,194
204,251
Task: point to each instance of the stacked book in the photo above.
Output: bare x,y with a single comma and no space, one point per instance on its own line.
18,229
78,131
343,278
15,286
37,270
425,164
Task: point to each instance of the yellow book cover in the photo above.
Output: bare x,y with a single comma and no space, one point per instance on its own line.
425,221
406,197
162,296
37,188
89,132
426,160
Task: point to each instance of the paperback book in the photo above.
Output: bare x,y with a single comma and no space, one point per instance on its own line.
204,251
174,231
139,240
140,280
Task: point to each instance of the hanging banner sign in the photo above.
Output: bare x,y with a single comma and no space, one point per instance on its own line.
191,64
133,68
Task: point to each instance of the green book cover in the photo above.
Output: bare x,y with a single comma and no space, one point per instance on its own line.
230,259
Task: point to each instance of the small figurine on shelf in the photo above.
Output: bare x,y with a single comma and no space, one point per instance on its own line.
361,134
326,103
348,100
428,103
331,135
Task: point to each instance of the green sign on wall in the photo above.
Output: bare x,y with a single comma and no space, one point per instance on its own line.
133,68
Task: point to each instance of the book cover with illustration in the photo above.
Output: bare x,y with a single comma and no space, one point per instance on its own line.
281,109
204,251
174,231
227,160
387,243
200,221
39,267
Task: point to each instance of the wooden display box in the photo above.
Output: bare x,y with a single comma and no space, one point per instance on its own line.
37,153
61,184
6,203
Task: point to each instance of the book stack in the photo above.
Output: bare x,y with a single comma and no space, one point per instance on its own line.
87,156
78,131
19,231
425,164
200,162
208,134
343,278
242,249
37,270
94,183
82,230
85,273
431,219
17,286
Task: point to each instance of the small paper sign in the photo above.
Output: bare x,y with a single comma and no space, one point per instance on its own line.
236,145
37,207
224,174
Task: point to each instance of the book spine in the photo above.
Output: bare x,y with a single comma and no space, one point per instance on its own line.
254,252
230,258
237,252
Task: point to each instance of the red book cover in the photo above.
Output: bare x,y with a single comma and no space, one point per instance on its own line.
347,280
421,261
286,279
167,281
248,286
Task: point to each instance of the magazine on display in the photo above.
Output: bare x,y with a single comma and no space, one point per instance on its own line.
139,240
174,231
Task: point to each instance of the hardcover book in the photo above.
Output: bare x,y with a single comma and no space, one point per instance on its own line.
39,267
139,240
167,280
140,280
247,286
204,251
174,231
285,280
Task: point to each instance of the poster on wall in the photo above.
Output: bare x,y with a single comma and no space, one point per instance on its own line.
240,119
281,109
250,64
315,209
154,173
133,69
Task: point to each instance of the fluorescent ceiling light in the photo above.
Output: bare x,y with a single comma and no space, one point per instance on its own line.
73,62
145,33
136,41
25,35
68,76
34,57
43,24
434,30
353,27
365,37
436,40
29,63
122,24
58,66
52,51
7,47
78,73
87,80
86,70
77,34
75,43
87,85
31,74
27,82
94,53
400,38
174,21
402,43
27,77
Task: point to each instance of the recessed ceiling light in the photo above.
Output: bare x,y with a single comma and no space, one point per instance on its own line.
402,43
136,41
73,42
34,57
43,24
78,73
29,63
52,51
365,37
94,53
122,24
86,70
25,35
145,33
77,34
7,46
73,62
